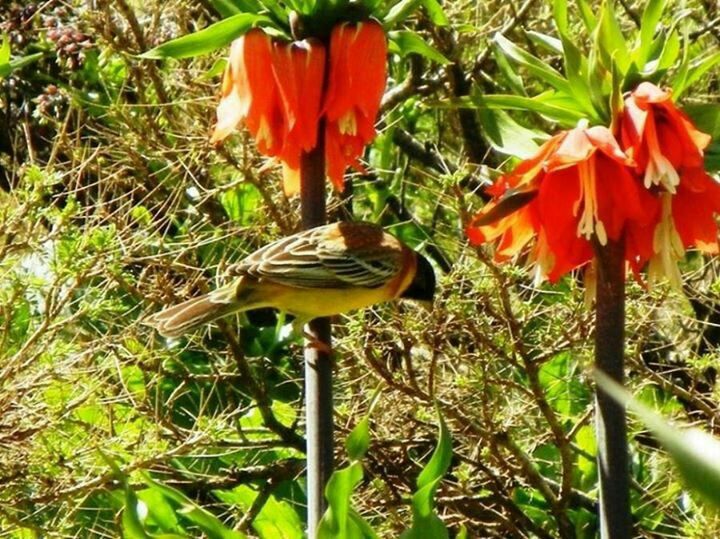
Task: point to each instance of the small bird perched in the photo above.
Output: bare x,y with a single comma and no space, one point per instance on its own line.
319,272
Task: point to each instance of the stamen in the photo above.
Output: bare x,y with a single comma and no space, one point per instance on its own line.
347,123
589,222
660,170
668,248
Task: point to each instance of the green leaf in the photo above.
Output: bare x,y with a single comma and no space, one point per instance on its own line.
399,12
131,524
358,440
276,520
650,19
695,452
549,43
4,50
610,40
338,522
435,12
426,523
228,8
670,50
404,42
202,518
695,72
536,66
560,11
506,136
587,13
209,39
563,114
12,65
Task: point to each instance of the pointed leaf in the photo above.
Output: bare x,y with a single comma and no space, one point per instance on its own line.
696,71
560,11
201,517
336,522
207,40
650,19
399,12
610,40
435,12
549,43
404,42
587,13
536,66
426,524
695,452
228,8
507,136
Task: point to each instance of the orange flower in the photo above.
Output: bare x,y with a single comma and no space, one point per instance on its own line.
668,151
299,69
659,137
249,94
279,91
579,188
356,81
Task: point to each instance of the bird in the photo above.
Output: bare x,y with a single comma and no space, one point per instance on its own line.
319,272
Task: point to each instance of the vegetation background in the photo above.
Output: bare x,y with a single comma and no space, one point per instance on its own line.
113,204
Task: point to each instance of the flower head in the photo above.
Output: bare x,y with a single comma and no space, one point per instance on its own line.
659,137
668,150
579,189
356,82
282,91
250,95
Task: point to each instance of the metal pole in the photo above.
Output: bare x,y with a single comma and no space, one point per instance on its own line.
318,365
611,427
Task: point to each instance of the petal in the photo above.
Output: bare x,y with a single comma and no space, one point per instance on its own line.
558,193
647,92
602,138
575,147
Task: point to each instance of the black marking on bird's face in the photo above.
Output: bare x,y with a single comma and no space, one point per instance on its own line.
422,286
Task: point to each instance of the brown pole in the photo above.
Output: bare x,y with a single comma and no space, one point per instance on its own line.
318,365
611,427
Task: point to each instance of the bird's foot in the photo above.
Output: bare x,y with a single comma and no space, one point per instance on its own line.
317,344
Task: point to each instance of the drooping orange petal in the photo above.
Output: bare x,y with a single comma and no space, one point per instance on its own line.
299,71
694,211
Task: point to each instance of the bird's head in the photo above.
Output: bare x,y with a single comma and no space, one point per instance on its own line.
422,287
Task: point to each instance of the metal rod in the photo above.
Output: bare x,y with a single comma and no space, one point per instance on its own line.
318,364
611,427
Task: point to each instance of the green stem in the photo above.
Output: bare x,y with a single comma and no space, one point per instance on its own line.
613,462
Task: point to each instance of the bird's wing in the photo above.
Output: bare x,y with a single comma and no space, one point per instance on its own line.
341,255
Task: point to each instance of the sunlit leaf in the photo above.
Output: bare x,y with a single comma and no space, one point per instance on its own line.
435,12
507,136
399,12
650,19
610,39
695,452
426,523
202,518
563,114
404,42
531,63
209,39
339,521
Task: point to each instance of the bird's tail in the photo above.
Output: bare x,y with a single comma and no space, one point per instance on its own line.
179,319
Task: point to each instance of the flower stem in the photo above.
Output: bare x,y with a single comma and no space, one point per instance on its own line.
318,365
613,465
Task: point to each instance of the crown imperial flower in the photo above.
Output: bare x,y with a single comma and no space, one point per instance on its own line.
281,92
580,189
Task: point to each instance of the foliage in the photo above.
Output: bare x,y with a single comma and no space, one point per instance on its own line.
113,204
